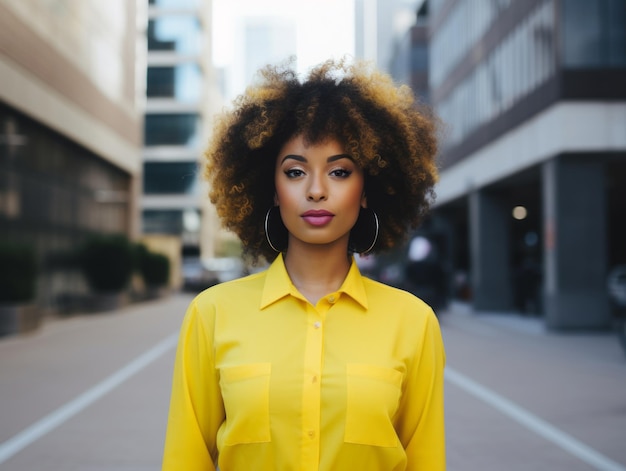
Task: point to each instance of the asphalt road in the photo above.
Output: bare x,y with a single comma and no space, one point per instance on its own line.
90,393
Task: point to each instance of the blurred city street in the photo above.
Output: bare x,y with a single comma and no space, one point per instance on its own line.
106,109
90,393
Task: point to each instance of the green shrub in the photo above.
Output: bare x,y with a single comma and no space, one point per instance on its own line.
107,262
140,250
18,273
154,269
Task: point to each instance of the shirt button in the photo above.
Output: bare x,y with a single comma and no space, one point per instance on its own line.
314,379
317,325
331,299
311,434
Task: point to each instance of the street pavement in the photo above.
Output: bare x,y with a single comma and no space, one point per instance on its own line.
90,393
521,398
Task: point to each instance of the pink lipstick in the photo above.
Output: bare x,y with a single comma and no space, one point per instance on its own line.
318,217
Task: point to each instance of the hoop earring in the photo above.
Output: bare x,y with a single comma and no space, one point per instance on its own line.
364,234
275,231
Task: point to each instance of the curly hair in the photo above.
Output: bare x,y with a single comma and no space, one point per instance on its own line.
381,125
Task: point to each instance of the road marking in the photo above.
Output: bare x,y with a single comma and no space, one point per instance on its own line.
534,423
56,418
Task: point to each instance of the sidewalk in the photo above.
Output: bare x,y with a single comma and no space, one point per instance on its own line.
520,397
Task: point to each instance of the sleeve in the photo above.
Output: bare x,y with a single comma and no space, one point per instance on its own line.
421,415
196,408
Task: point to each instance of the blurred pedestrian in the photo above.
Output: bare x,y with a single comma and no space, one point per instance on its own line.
424,272
308,364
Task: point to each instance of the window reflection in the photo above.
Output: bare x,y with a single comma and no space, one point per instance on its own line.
180,33
170,178
594,33
51,186
524,60
181,82
175,3
163,221
171,129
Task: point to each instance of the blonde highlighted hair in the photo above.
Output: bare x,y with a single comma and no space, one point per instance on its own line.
382,126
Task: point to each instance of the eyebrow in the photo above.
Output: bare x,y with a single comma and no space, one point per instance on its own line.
301,158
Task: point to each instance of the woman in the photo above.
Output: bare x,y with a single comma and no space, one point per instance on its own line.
308,365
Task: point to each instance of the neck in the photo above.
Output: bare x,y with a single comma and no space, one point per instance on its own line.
317,270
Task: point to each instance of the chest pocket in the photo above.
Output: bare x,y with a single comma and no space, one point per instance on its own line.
373,398
246,392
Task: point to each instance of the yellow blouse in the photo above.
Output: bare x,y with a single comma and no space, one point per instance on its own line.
264,380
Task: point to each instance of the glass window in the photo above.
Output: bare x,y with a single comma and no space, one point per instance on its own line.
616,33
182,82
419,57
175,3
180,33
163,221
170,178
582,33
465,25
179,129
161,82
517,66
594,33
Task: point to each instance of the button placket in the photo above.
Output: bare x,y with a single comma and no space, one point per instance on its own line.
311,397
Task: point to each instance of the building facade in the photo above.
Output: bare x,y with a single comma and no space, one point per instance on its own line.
533,164
70,129
409,62
380,29
180,101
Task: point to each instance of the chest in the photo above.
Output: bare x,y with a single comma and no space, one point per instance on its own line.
307,356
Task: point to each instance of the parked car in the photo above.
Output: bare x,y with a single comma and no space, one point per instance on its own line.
224,268
195,276
199,274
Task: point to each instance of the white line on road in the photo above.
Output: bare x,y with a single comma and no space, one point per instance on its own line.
534,423
27,436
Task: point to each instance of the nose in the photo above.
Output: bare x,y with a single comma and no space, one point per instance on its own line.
317,189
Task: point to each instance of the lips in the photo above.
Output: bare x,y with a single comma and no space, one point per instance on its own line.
317,217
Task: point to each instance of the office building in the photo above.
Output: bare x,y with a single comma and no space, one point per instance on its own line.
409,61
380,28
70,129
533,180
180,100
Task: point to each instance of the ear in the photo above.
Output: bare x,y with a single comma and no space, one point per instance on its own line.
364,201
275,199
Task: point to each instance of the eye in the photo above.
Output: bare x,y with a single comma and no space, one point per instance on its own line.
294,173
341,173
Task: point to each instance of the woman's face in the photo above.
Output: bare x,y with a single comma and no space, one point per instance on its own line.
319,190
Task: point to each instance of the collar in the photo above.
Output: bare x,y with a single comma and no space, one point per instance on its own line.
278,284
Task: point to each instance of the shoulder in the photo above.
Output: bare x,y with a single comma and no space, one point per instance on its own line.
409,320
235,290
382,293
235,298
398,307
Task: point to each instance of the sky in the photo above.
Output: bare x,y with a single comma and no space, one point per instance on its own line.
323,29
